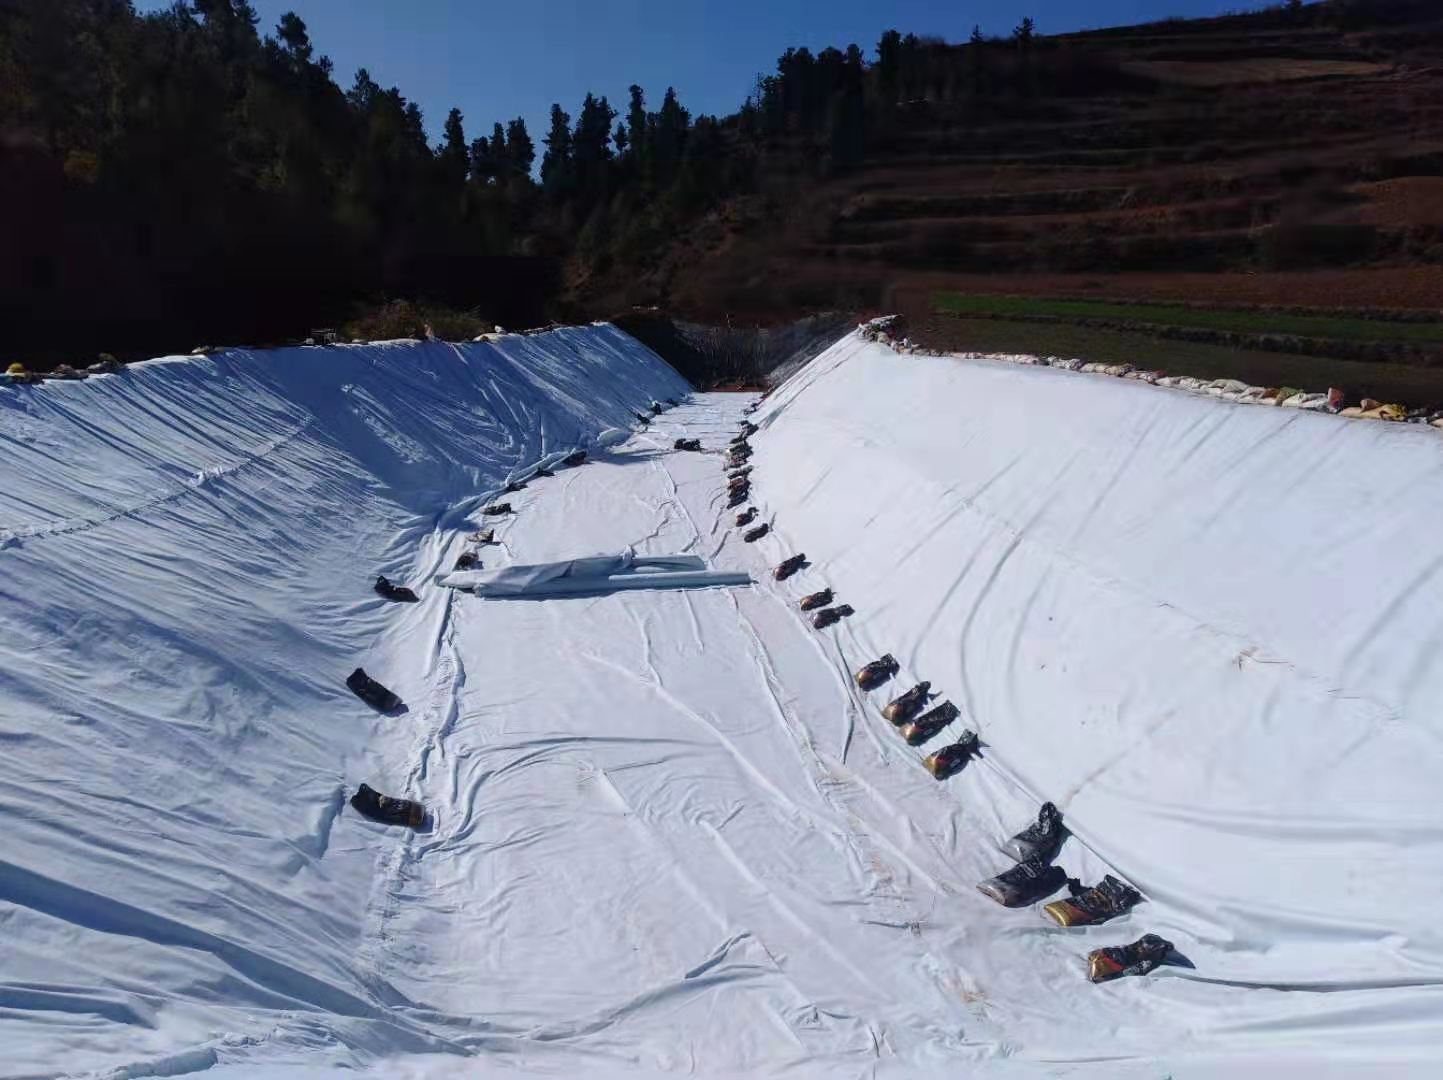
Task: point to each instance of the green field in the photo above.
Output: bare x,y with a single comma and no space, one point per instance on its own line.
1234,320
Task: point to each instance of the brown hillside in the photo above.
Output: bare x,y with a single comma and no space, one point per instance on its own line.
1248,159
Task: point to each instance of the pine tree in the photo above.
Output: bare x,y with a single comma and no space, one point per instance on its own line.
497,169
415,123
591,146
668,136
847,125
556,164
451,155
483,163
364,91
1024,32
520,152
291,31
889,58
636,124
701,173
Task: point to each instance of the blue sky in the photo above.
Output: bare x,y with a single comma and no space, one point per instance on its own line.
499,60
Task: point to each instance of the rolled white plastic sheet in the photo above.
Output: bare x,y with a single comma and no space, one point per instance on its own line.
593,574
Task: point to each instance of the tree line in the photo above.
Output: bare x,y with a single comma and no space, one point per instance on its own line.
185,174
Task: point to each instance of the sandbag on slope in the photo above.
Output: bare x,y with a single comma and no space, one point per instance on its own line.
183,586
1207,631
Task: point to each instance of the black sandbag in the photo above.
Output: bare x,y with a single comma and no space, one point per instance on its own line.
1139,958
483,536
737,499
877,672
828,616
372,692
687,444
541,470
496,508
1041,839
751,536
922,729
740,471
398,593
468,560
1025,883
748,517
789,566
1108,899
900,710
816,600
748,428
642,420
950,759
370,803
515,485
575,458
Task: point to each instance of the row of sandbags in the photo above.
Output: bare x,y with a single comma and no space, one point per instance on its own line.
19,373
1288,397
1035,878
392,810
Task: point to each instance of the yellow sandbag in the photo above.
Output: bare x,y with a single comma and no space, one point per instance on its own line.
1065,913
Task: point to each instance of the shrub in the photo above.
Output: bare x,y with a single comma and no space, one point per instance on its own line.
406,319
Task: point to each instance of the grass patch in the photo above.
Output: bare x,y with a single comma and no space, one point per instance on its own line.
1232,320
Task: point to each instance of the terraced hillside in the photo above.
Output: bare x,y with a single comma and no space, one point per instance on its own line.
1255,151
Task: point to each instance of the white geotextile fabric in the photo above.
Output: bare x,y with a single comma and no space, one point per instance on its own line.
668,835
1209,632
